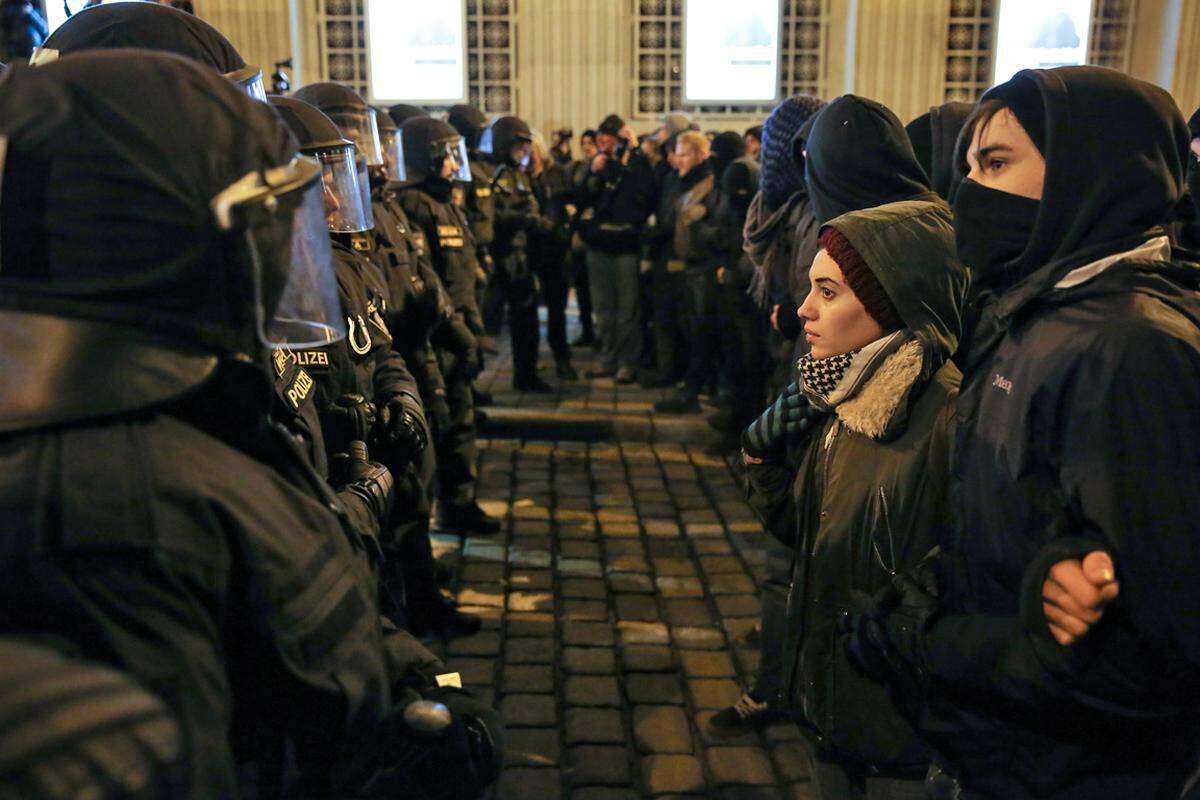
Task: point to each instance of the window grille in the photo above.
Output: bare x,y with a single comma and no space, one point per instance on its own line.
658,58
491,49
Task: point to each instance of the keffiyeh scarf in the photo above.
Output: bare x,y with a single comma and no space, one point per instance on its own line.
829,381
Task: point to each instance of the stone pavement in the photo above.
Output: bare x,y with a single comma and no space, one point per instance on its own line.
617,601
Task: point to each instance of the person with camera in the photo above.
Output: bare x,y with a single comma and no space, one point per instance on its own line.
617,193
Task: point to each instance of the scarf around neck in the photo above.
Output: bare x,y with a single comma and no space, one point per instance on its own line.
833,380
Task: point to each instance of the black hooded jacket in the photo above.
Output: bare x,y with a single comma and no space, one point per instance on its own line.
1077,431
858,156
933,136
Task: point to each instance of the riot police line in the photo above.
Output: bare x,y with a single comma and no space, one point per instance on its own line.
239,336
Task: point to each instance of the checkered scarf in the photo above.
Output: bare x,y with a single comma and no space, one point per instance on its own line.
822,375
829,381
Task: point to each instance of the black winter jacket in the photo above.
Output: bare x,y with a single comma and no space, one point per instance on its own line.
1077,430
617,203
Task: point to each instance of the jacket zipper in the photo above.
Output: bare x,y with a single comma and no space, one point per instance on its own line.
830,440
890,569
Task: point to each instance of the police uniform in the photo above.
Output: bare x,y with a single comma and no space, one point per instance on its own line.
516,212
446,233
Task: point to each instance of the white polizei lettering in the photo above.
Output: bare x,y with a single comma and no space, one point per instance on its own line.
1002,383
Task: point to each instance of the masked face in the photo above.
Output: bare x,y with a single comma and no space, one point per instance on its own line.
835,321
997,206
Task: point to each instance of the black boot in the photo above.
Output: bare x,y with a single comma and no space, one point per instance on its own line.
469,518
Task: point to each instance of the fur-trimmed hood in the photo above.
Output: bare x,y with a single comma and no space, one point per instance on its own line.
872,410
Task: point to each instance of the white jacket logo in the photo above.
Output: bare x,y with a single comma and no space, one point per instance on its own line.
1002,383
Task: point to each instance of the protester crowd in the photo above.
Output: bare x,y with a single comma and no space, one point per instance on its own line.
240,334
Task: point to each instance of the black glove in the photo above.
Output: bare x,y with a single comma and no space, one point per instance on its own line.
790,415
350,417
454,335
353,472
887,633
400,434
442,745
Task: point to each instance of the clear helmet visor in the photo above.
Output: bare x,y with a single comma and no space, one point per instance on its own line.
250,81
308,312
343,191
364,190
452,155
361,128
487,142
280,213
393,155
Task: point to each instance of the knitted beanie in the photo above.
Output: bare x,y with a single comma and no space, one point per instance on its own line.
782,176
861,280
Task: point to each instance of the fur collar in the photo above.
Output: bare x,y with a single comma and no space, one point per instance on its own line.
872,409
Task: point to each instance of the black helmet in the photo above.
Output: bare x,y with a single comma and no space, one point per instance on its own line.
403,112
393,147
503,135
151,26
347,187
470,123
149,205
428,142
350,112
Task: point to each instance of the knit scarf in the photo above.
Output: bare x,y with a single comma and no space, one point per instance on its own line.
830,381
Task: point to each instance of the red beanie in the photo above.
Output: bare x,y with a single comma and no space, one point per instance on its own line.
861,280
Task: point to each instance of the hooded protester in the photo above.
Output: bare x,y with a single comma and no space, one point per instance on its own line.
741,326
1186,230
933,136
190,534
780,235
858,156
869,496
726,148
151,26
1062,450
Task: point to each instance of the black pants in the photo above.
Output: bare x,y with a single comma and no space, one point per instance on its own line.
455,446
702,313
672,326
583,289
519,289
741,337
551,268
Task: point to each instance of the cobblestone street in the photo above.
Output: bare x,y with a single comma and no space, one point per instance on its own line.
618,602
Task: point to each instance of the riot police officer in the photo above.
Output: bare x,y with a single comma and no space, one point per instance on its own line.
507,146
365,392
435,156
153,27
363,489
188,540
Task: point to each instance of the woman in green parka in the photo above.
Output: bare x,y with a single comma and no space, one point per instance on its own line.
863,495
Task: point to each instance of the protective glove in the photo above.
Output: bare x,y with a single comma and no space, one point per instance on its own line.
350,417
400,433
886,632
354,472
790,415
442,744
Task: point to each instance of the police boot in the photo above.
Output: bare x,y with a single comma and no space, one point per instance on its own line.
442,617
467,519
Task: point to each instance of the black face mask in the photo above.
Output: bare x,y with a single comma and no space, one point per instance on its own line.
992,228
